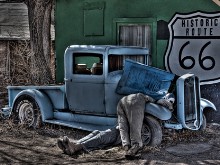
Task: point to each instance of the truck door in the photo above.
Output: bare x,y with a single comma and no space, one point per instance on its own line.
85,84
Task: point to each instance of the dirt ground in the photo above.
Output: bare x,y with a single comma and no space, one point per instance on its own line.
19,145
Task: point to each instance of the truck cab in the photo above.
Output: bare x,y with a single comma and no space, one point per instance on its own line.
92,74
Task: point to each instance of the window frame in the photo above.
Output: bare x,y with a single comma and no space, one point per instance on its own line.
124,57
86,54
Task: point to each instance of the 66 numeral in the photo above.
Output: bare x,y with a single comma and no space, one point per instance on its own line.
201,60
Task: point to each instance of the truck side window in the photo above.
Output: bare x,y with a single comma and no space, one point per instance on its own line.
116,62
88,63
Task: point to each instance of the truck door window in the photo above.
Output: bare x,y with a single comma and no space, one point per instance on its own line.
88,63
116,62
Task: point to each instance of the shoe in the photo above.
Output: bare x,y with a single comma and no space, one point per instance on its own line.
66,139
70,147
131,153
60,144
126,147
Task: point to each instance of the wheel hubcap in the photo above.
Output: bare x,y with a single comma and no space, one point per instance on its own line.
146,134
26,113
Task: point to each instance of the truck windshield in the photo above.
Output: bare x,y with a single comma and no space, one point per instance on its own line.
116,62
87,63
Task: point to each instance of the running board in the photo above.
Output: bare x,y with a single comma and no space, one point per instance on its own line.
82,126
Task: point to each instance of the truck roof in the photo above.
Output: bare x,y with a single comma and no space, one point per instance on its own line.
102,48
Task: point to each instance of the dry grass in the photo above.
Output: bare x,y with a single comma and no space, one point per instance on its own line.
18,64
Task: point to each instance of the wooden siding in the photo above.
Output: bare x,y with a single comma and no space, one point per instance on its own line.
14,22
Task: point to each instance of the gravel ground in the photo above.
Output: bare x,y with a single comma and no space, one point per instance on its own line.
19,145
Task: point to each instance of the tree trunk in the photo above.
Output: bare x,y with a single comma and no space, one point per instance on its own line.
39,13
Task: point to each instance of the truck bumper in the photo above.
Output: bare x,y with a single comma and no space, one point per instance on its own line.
5,112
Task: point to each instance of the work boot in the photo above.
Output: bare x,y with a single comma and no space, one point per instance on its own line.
133,151
65,139
70,147
60,144
126,147
63,146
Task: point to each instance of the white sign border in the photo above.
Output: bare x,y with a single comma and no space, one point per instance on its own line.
170,41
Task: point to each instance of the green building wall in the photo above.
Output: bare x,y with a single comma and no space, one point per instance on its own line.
95,22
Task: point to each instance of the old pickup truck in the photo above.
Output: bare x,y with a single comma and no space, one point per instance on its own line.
88,98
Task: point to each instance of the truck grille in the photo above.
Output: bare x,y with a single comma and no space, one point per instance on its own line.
192,102
188,101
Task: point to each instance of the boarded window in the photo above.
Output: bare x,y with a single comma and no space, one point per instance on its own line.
93,19
135,35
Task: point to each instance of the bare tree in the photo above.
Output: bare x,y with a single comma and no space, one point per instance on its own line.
39,14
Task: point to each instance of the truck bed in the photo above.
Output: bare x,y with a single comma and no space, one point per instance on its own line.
55,93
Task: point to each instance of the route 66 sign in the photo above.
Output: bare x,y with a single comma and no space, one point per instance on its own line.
194,46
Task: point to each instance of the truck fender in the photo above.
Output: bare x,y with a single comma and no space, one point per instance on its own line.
158,111
206,103
42,100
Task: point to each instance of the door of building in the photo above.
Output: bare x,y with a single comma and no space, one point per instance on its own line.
135,35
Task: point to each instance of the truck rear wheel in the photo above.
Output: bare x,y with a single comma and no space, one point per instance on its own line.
27,112
151,132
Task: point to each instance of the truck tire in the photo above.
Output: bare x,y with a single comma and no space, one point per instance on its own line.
151,132
27,112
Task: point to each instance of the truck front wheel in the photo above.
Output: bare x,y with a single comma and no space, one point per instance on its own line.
151,132
27,112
